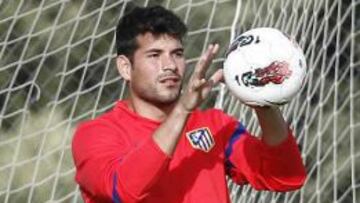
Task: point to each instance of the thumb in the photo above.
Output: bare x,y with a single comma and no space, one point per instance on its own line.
217,77
213,81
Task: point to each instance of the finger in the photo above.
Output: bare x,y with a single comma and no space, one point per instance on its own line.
217,77
200,66
205,60
206,88
198,84
213,81
222,79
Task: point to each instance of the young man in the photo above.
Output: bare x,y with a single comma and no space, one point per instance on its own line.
156,146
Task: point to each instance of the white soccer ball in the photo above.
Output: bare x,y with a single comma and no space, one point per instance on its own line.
264,67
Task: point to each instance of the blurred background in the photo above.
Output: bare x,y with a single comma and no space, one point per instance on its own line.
57,68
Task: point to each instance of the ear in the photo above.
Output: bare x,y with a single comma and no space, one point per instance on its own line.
123,65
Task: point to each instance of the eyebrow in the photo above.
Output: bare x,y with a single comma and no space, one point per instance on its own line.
180,49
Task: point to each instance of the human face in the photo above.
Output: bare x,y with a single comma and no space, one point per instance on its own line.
158,67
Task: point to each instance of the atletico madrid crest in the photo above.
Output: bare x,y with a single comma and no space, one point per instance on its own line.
201,138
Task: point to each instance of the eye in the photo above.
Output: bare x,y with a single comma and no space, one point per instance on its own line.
154,55
179,54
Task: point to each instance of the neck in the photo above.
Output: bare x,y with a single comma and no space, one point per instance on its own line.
149,110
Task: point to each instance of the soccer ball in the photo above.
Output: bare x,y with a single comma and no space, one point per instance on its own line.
264,67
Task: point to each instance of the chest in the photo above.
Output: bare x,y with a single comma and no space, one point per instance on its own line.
198,145
196,170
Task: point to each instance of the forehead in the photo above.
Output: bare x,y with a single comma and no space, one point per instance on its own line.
149,41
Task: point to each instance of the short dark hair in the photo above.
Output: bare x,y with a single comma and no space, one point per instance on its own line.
156,20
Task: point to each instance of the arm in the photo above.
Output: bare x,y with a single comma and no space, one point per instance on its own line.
273,126
272,163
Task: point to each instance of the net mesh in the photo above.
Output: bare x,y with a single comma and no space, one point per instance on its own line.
57,69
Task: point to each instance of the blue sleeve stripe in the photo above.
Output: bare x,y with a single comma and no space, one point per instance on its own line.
240,129
115,195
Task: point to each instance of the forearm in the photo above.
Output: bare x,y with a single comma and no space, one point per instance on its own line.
169,132
275,168
273,126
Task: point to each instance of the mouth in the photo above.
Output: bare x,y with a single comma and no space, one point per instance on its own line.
170,80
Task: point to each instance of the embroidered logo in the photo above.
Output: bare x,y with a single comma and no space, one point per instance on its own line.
201,138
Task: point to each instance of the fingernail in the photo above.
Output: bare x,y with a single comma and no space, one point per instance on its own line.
216,47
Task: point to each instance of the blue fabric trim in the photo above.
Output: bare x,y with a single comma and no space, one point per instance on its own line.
115,195
240,129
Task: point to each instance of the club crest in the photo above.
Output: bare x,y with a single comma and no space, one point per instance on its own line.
201,139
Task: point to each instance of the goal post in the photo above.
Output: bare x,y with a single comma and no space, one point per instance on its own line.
57,69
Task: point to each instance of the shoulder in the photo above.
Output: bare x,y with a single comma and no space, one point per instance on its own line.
103,127
111,119
97,136
103,121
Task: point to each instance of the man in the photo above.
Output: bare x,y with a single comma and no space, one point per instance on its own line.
156,146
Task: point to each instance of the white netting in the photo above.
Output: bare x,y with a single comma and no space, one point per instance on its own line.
57,68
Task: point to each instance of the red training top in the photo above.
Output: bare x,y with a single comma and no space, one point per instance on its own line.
117,160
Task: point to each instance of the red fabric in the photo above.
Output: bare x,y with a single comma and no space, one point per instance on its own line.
276,168
117,160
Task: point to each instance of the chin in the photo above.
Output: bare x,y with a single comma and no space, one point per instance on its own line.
168,98
160,97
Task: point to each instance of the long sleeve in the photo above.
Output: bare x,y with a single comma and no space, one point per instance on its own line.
109,168
276,168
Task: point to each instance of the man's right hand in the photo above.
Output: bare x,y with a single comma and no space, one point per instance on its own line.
199,87
168,133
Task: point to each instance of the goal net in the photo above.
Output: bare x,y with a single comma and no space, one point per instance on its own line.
57,68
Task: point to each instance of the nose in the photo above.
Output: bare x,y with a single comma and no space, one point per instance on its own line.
169,63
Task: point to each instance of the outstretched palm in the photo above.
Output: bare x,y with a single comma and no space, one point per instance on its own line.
199,87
